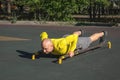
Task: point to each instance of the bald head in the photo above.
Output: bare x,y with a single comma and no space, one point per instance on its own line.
47,46
46,41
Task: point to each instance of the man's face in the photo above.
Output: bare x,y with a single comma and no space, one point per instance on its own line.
47,47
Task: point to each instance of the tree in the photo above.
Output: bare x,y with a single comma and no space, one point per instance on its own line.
9,6
96,8
82,5
61,10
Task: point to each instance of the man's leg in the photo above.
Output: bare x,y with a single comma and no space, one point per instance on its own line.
79,33
84,42
96,36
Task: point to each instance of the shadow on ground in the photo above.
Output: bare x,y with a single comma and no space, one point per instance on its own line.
28,55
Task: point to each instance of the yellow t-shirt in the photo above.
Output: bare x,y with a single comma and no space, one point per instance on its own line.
63,45
43,35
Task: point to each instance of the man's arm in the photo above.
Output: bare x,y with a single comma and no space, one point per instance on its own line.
72,41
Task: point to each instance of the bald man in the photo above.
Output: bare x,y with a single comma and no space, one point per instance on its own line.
67,44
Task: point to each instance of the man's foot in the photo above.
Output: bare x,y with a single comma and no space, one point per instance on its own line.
103,38
82,32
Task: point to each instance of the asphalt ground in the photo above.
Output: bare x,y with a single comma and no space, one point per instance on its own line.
16,63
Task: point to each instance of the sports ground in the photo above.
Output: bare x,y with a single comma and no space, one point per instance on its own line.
19,42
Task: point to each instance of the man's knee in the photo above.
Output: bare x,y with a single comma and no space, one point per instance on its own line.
77,32
96,36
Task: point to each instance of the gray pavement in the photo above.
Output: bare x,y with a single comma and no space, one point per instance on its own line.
16,63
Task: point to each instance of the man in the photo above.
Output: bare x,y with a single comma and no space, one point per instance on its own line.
67,44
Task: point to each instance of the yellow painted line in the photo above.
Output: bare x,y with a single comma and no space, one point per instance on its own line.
6,38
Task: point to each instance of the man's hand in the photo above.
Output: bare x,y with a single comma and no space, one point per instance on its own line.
71,53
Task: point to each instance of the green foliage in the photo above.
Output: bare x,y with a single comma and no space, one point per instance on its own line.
105,3
60,9
56,10
82,4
